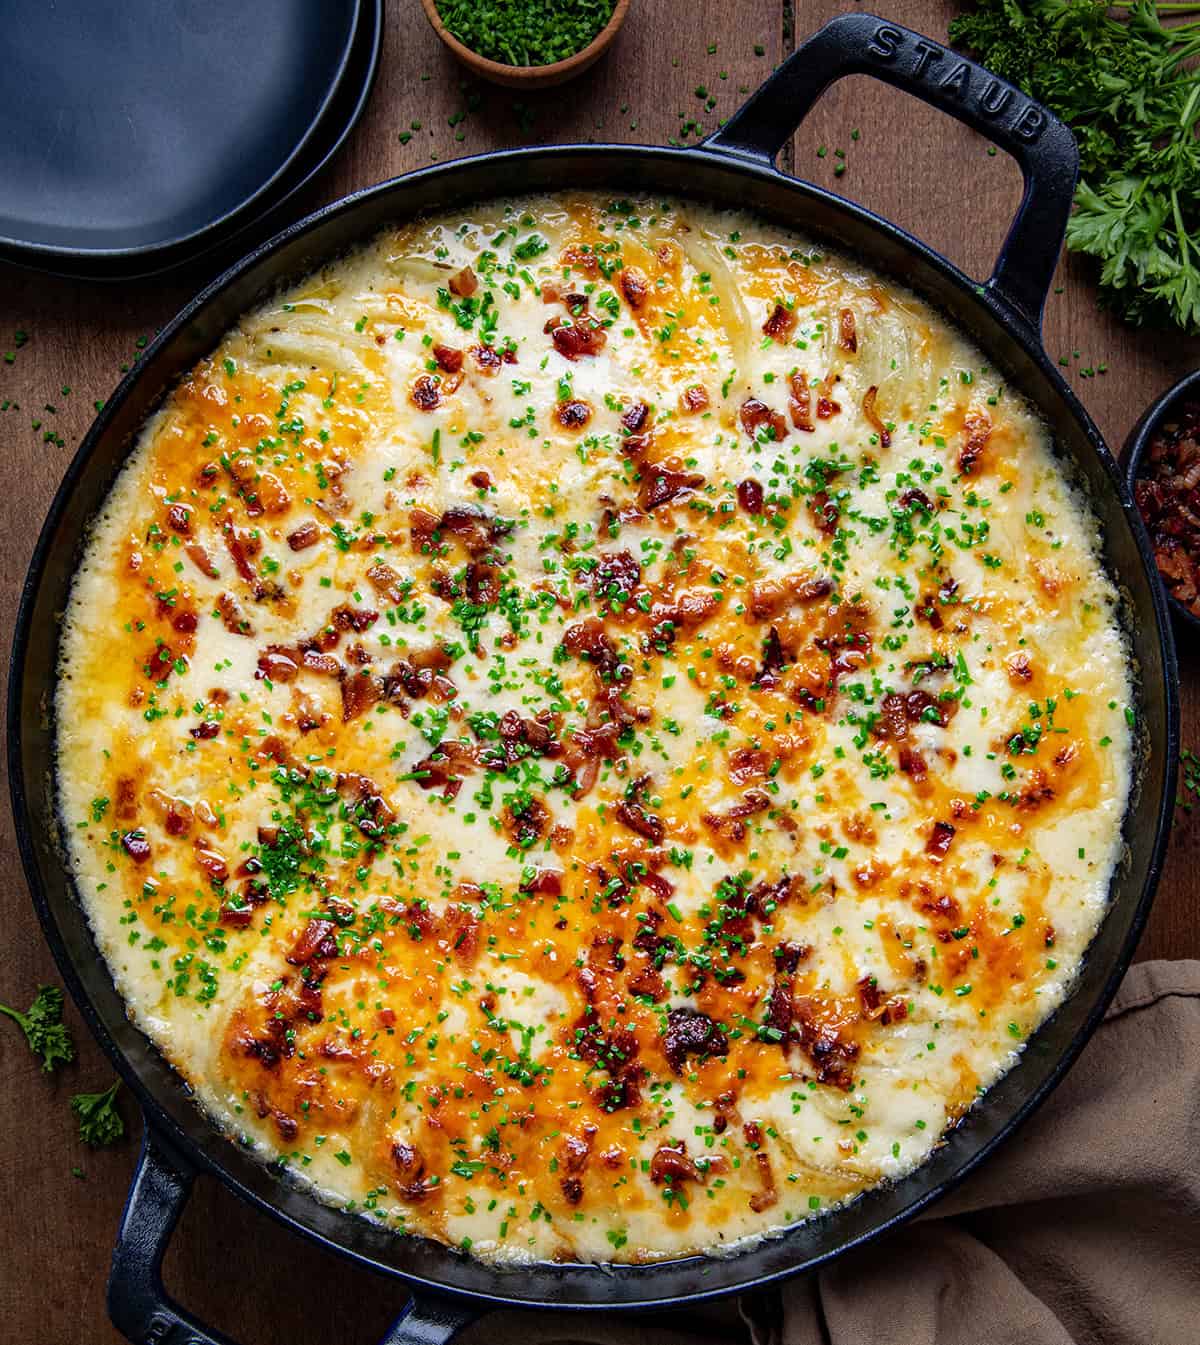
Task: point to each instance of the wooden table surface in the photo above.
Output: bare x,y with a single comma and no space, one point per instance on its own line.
234,1268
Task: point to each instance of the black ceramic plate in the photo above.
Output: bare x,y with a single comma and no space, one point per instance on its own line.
222,244
133,128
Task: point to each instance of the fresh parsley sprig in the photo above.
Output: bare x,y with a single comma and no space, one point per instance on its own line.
1129,89
100,1123
44,1028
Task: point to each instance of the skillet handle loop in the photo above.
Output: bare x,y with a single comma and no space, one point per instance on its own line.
428,1320
138,1305
142,1310
861,44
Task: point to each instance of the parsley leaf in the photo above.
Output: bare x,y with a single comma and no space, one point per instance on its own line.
100,1123
1129,90
44,1028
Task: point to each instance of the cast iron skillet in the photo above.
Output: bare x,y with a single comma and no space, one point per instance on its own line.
735,167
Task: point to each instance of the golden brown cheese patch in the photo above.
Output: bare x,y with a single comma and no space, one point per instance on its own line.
593,729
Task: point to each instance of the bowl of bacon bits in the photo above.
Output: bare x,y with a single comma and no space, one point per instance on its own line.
1163,467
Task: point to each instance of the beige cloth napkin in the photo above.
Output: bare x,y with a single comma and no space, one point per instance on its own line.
1084,1229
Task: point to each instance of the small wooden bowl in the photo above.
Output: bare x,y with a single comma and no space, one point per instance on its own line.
529,76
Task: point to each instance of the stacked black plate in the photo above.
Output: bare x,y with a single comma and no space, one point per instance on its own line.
140,135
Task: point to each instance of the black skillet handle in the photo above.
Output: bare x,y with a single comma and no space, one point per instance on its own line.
861,44
144,1313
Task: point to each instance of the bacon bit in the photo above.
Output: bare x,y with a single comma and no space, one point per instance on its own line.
360,691
913,763
357,619
460,933
827,408
731,823
487,357
475,528
747,763
631,811
1019,669
634,287
207,728
693,399
1065,755
449,360
543,883
136,846
185,623
588,639
663,482
524,738
306,535
242,471
573,415
769,597
648,982
938,844
316,943
750,495
233,616
279,663
872,417
927,611
773,661
616,575
672,1164
635,417
870,997
235,917
413,1186
526,822
916,499
690,1033
425,395
754,413
768,1196
686,611
575,339
463,283
581,258
847,335
576,1150
781,323
240,549
179,519
201,560
800,404
831,1054
211,861
1037,791
977,427
826,512
177,819
445,767
789,955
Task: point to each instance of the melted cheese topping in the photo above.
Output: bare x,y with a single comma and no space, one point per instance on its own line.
593,729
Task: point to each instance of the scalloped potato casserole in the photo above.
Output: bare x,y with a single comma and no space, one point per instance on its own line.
593,729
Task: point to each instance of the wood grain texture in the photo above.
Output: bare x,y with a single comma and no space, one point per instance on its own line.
237,1270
